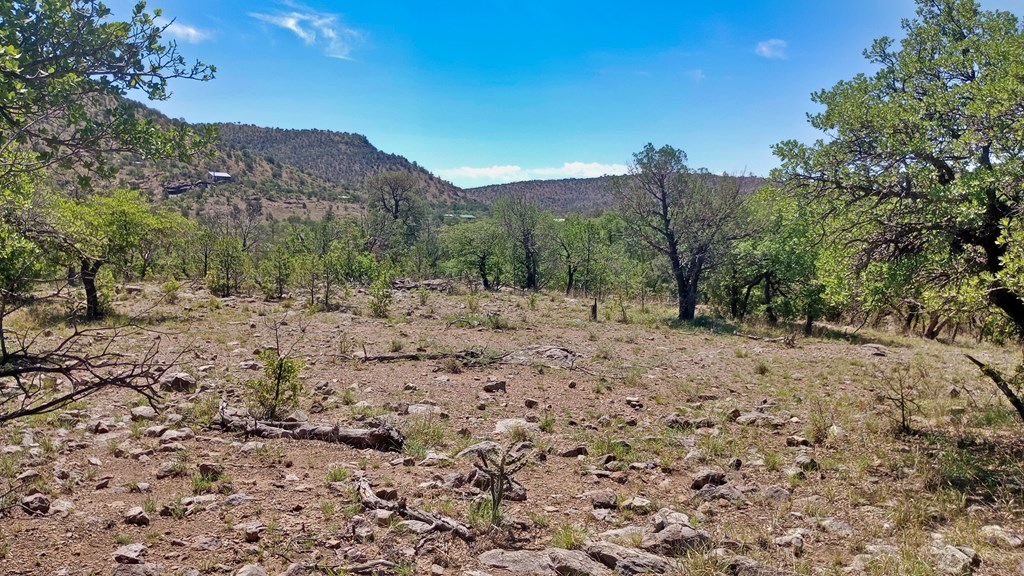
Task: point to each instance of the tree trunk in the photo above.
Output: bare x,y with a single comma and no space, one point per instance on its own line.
481,266
570,276
690,304
769,310
92,298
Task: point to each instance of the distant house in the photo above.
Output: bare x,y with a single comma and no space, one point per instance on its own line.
218,177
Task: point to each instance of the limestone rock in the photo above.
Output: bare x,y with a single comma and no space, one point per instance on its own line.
178,382
136,516
130,554
625,560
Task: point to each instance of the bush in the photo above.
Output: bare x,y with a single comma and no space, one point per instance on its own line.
380,296
279,389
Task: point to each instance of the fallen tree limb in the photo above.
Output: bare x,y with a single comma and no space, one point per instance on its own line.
1001,383
467,357
371,501
385,437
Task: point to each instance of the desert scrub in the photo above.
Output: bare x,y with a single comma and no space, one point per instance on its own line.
381,296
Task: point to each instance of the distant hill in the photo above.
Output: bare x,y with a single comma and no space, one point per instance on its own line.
571,195
339,157
563,196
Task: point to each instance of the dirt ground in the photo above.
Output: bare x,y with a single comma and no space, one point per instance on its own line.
796,440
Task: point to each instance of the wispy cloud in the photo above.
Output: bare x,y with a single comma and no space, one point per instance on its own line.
184,32
513,173
774,49
322,29
696,75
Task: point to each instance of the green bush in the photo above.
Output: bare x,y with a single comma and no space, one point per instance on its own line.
278,390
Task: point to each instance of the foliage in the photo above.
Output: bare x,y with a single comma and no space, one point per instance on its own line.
65,64
684,215
922,170
280,388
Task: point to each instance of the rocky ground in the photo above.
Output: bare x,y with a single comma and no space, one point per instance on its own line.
646,449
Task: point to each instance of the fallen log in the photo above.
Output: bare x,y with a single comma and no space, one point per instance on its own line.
472,358
371,501
384,437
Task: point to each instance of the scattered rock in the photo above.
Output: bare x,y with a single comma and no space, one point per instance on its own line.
507,425
211,469
1001,538
794,441
137,570
603,499
36,503
531,403
725,491
495,386
140,413
625,560
178,382
580,450
707,477
548,561
675,540
136,516
837,527
806,463
953,560
775,494
251,570
130,554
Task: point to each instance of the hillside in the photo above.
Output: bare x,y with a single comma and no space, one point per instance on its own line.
580,195
338,157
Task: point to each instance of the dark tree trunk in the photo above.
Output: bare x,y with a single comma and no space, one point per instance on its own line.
809,324
92,297
481,266
570,277
689,310
769,310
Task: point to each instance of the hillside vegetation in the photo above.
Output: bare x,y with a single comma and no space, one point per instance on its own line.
568,195
339,157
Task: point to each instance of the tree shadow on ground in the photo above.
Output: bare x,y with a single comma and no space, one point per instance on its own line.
983,469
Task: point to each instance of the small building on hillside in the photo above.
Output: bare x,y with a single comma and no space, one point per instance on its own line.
218,177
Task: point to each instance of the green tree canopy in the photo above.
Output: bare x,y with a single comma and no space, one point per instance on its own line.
923,168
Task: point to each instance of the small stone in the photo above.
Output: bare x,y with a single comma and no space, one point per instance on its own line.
211,469
603,499
136,517
806,463
140,413
251,570
130,554
707,477
794,441
531,403
1001,538
382,517
580,450
251,530
178,382
35,504
495,386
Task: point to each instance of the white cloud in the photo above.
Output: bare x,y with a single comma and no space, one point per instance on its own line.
184,32
773,49
321,29
696,75
513,173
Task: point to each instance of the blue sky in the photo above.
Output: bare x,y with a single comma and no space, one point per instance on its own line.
501,90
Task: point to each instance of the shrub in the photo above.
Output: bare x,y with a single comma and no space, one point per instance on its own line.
278,390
